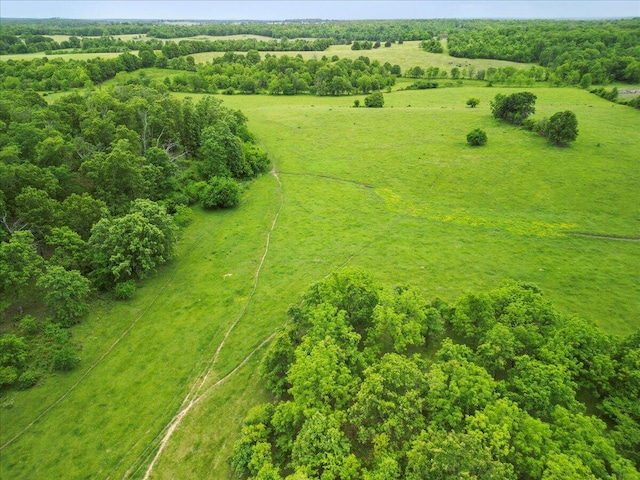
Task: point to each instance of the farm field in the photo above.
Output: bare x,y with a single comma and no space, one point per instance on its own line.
394,190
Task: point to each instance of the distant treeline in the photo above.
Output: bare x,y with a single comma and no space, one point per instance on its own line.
575,52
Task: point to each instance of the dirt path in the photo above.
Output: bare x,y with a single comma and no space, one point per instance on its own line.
604,237
196,392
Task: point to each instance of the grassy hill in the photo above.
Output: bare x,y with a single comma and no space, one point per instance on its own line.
396,190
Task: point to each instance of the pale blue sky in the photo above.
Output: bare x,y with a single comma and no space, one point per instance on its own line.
330,10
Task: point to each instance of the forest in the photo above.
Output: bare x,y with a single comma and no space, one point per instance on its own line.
133,180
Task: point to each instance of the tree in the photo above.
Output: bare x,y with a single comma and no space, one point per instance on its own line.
477,137
221,153
20,265
375,100
473,102
65,293
117,177
220,192
13,355
390,401
563,127
441,455
321,447
514,108
130,246
81,212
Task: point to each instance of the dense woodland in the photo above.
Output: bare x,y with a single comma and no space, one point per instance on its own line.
372,382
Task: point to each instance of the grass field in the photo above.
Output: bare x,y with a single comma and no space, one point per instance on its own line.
407,55
395,190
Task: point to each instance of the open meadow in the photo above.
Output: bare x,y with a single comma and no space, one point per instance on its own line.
395,190
407,55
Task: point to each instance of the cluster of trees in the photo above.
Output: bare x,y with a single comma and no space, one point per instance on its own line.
606,51
516,108
287,75
508,75
92,188
44,74
373,382
432,45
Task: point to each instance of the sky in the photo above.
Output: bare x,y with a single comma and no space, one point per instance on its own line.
327,10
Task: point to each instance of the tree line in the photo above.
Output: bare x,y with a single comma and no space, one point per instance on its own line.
576,52
372,382
93,188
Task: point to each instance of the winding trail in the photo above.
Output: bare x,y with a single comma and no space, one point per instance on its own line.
102,357
196,392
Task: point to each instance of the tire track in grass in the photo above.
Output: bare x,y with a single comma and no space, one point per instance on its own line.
196,392
101,358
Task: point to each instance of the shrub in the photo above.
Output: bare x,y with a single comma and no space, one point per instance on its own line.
28,379
66,359
375,100
477,137
356,103
183,215
473,102
125,290
220,192
422,85
563,127
28,325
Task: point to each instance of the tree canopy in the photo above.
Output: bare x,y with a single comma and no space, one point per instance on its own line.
360,393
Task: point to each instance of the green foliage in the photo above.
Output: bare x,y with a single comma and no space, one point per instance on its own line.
20,265
477,137
504,405
130,246
562,128
473,102
432,45
514,108
66,359
65,293
375,100
220,192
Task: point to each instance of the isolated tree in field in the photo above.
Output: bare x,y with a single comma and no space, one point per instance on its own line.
477,137
66,293
563,127
514,108
375,100
473,102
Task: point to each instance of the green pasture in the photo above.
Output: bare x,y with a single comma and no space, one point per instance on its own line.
395,190
407,55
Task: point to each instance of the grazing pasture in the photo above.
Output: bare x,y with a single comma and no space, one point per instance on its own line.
396,190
